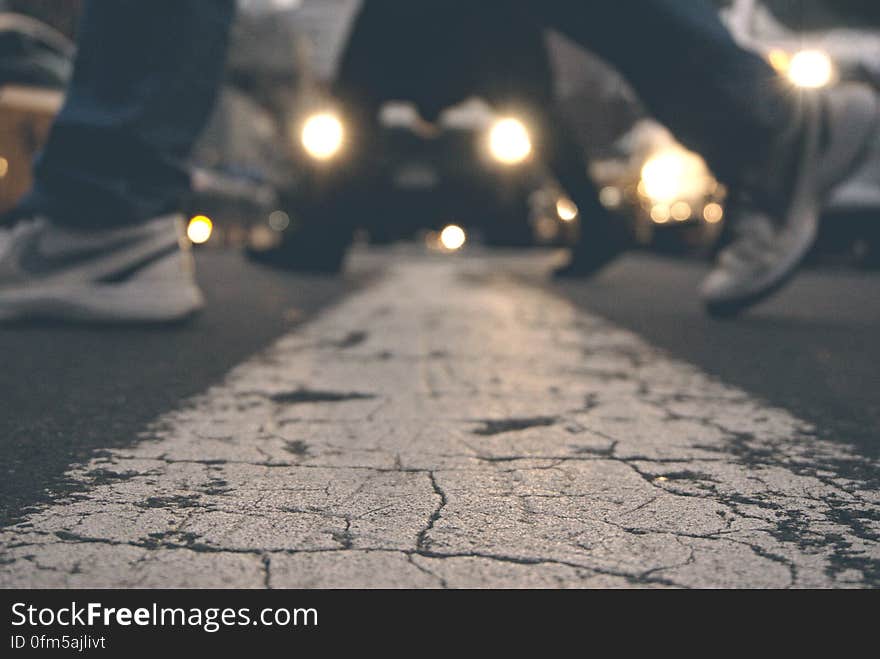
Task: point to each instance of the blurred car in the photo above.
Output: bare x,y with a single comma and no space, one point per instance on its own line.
243,159
820,44
272,150
472,168
393,148
817,44
237,166
668,192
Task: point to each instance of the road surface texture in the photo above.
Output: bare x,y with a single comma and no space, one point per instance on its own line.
453,425
65,391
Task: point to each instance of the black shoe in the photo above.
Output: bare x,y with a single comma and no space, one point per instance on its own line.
587,262
310,250
603,239
323,260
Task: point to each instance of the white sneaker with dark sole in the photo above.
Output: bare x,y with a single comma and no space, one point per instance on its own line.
769,249
137,274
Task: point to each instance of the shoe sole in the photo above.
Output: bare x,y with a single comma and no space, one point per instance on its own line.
825,177
135,302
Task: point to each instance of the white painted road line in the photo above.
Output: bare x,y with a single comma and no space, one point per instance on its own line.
449,427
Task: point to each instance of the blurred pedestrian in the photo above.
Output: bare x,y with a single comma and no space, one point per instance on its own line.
436,55
98,237
101,237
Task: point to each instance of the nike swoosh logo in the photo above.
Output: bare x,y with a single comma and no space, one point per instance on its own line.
34,262
129,271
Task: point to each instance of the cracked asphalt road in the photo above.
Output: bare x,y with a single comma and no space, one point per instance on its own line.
452,426
66,391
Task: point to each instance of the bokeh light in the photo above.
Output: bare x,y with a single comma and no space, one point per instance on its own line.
779,60
660,214
279,220
199,229
681,211
674,174
323,135
611,196
509,141
713,213
811,69
453,237
566,209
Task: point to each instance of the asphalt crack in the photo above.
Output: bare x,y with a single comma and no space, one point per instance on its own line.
423,542
500,426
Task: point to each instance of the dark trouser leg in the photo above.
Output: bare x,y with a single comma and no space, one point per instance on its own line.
336,193
144,83
602,234
360,89
719,99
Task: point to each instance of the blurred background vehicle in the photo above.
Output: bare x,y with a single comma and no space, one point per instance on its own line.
814,45
667,193
272,137
245,160
35,64
461,163
474,168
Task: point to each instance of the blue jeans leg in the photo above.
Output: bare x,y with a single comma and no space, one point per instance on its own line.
145,80
718,98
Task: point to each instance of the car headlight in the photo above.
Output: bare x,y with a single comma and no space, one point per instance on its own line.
674,175
811,69
566,209
663,176
453,238
509,141
808,69
199,229
323,135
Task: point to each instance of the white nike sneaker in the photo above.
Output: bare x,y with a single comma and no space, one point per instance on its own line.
838,125
136,274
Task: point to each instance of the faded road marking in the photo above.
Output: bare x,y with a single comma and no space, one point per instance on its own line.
445,430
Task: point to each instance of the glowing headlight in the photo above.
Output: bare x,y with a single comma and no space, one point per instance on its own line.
453,238
509,141
779,60
673,175
199,229
322,135
811,69
663,176
566,209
